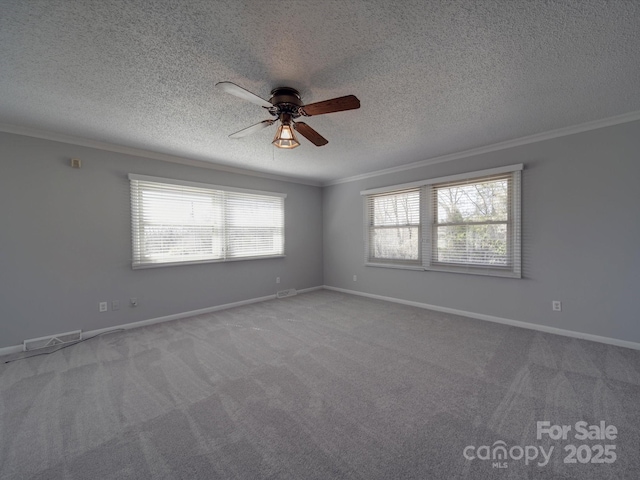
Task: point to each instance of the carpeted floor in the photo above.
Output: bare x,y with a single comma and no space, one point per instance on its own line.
320,386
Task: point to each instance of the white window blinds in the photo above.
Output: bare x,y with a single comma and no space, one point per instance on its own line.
462,223
473,222
175,222
394,227
254,225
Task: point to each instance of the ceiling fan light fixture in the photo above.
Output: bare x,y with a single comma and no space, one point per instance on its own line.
285,138
286,105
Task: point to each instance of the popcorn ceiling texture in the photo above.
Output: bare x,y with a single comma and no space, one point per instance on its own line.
433,78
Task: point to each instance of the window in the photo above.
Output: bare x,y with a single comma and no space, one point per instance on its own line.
175,222
394,235
471,222
462,223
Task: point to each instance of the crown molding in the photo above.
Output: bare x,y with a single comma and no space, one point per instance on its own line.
139,152
538,137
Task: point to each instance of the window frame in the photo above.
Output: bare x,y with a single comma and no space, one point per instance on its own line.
428,226
140,261
370,220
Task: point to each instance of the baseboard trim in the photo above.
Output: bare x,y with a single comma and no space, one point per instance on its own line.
311,289
191,313
144,323
479,316
177,316
491,318
11,349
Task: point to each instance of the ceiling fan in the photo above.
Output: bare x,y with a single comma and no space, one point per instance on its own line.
285,104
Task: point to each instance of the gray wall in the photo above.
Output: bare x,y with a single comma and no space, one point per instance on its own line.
65,240
65,243
581,237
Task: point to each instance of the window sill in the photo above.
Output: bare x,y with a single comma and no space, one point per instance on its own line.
487,272
394,265
141,266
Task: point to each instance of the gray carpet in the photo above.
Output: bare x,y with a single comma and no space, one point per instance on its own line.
318,386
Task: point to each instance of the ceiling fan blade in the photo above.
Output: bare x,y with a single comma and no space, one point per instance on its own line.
240,92
252,129
310,134
349,102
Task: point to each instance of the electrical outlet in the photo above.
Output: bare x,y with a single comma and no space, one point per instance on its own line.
102,307
133,302
277,279
556,305
115,304
355,278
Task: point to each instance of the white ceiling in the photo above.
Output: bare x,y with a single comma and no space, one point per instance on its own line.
433,77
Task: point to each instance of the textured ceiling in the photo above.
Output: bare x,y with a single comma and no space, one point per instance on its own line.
433,77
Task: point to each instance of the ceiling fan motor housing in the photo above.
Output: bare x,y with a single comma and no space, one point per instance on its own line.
285,100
